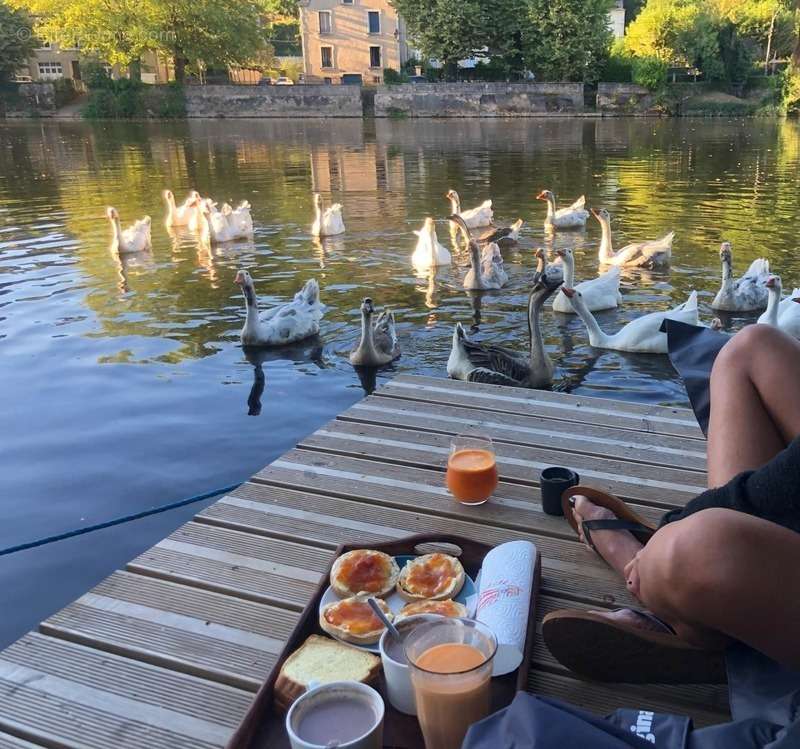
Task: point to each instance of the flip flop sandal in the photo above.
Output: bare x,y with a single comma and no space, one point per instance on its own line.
602,649
626,519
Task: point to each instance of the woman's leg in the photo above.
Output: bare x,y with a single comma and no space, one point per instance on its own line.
755,408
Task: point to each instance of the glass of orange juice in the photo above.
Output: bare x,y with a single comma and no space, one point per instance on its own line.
471,469
451,671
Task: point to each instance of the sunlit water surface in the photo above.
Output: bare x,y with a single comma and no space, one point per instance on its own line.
124,385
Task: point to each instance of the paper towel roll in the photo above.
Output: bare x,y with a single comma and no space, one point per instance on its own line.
504,596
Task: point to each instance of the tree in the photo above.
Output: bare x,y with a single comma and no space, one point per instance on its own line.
16,41
568,40
446,30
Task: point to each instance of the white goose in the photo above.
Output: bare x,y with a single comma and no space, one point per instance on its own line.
745,294
378,344
135,238
239,219
782,314
642,335
502,235
486,268
482,362
598,293
214,227
283,324
571,217
181,215
654,253
429,253
327,223
473,217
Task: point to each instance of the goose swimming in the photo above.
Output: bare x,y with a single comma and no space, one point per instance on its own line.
473,217
327,223
378,344
782,314
572,217
654,253
599,293
497,365
136,238
429,253
746,293
486,267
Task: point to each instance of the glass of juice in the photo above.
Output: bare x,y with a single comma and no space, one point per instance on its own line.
471,469
451,671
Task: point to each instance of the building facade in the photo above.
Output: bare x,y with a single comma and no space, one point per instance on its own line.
350,41
616,18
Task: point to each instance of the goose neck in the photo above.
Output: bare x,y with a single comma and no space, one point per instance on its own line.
569,270
455,204
551,206
597,337
540,361
249,293
606,248
773,300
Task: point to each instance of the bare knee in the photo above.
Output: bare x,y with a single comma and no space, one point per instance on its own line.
738,354
684,567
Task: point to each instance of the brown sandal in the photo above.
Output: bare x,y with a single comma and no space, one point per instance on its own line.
626,519
602,649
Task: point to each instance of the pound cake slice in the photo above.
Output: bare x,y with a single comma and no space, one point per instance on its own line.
324,660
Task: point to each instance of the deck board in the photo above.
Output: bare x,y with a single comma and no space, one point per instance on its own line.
168,652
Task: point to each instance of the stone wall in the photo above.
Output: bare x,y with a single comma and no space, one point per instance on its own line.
273,101
478,99
624,98
26,99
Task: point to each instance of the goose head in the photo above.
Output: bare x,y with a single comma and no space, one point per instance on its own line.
244,280
367,308
459,334
545,195
169,197
602,215
774,283
726,253
541,259
429,226
451,195
575,297
517,225
565,253
112,214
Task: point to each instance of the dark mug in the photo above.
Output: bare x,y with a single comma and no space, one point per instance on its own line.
554,482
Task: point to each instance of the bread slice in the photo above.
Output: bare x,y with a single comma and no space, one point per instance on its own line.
353,620
324,660
364,571
431,577
446,607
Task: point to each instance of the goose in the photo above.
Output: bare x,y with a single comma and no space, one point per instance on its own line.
482,362
135,238
781,314
214,227
503,235
239,219
486,268
745,294
180,215
598,293
571,217
283,324
429,253
378,344
473,217
327,223
649,254
642,335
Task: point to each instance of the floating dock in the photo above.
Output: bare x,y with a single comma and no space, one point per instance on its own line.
169,652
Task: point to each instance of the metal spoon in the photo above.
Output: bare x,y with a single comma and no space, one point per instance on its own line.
373,604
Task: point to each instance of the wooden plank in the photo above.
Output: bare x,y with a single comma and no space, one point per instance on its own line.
240,564
189,630
70,710
533,431
657,486
131,679
605,698
559,406
686,696
569,567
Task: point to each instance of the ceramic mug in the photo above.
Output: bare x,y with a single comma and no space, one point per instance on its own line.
339,703
396,672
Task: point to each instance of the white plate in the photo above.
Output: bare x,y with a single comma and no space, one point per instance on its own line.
467,595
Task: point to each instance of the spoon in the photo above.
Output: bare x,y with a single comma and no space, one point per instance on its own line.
373,604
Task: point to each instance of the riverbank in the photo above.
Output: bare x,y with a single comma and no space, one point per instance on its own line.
419,100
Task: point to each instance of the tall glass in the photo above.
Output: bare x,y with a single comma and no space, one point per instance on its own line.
471,469
451,671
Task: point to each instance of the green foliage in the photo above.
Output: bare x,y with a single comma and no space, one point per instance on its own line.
568,40
95,75
392,77
16,41
124,99
619,65
791,90
650,72
63,91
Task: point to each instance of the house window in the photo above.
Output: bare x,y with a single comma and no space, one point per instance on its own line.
328,81
327,56
376,79
374,57
49,70
324,22
347,2
374,22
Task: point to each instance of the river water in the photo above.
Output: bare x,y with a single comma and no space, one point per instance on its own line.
124,385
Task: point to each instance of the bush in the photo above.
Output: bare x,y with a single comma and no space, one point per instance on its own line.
791,90
650,72
124,99
618,69
392,77
95,75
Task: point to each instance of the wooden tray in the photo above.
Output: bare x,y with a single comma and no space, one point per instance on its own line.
263,726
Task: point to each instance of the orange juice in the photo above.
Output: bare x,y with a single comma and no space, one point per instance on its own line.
447,707
471,475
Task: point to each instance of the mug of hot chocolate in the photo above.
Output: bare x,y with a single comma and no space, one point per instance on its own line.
343,714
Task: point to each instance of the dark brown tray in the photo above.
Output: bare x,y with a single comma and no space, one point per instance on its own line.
263,726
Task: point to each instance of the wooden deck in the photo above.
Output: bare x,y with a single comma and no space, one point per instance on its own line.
169,651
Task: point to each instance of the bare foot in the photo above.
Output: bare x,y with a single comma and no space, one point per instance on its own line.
618,548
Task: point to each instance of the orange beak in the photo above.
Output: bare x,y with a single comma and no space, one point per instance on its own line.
569,293
541,196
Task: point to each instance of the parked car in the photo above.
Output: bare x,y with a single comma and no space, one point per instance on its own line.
284,81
